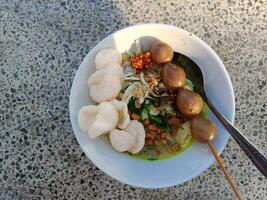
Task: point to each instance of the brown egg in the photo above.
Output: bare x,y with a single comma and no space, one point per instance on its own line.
189,103
161,52
203,130
173,76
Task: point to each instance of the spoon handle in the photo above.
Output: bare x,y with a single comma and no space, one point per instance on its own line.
227,176
257,158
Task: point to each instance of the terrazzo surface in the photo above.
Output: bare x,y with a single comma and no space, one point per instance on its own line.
42,44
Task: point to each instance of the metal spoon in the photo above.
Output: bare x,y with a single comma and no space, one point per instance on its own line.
204,131
194,72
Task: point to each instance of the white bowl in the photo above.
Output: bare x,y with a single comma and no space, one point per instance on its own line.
192,162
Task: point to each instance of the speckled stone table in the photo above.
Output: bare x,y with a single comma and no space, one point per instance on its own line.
41,46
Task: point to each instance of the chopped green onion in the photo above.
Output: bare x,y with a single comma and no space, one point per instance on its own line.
152,158
132,108
189,85
144,114
147,102
155,119
205,111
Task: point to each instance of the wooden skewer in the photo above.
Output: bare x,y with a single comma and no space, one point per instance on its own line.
227,176
204,131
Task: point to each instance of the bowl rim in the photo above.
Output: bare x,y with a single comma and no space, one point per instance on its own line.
220,64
